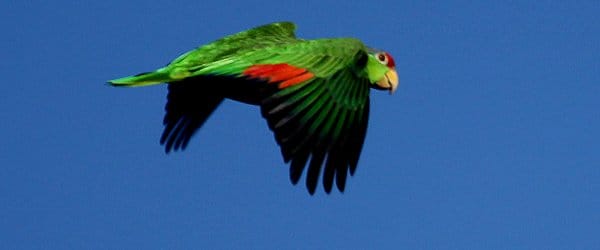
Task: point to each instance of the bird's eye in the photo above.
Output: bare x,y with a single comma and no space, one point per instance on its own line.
383,59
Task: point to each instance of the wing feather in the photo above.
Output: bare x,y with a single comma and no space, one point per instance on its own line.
317,121
317,109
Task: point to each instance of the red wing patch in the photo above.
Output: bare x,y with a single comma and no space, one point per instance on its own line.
284,74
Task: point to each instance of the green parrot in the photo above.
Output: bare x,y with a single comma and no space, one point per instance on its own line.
314,94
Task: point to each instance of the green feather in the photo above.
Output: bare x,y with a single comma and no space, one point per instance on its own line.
323,118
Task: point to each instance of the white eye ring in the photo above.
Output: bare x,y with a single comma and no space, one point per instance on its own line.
382,58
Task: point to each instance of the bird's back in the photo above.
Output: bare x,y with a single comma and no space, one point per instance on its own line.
249,40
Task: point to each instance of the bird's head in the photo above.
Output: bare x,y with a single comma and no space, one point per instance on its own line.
381,70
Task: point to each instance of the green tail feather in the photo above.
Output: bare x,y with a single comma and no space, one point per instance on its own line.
143,79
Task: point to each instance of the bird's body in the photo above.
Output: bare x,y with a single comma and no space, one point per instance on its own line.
314,94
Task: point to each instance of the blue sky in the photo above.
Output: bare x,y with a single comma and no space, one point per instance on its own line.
491,141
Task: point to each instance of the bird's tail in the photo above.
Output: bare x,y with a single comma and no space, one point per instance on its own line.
143,79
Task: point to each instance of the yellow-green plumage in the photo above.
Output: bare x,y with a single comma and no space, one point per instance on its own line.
314,94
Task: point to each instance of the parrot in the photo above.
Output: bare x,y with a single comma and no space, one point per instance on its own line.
313,94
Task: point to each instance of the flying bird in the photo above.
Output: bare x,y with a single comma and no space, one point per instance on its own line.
314,94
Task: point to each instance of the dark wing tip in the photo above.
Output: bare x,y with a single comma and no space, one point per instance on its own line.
297,166
314,169
340,179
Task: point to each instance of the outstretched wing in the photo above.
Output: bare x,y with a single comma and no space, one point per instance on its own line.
189,105
191,101
324,119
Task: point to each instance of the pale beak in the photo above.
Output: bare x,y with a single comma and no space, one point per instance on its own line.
389,81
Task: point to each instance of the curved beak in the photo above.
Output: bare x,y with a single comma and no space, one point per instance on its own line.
389,81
